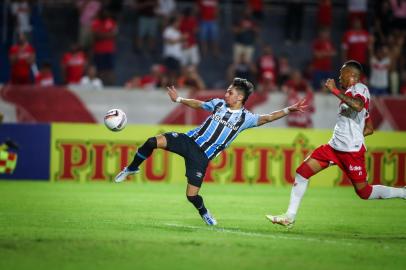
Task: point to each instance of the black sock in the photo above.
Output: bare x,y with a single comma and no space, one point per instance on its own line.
197,201
143,153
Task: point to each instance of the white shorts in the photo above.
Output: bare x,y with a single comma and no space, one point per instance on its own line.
191,56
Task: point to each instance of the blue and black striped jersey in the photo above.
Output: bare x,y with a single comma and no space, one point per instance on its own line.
222,127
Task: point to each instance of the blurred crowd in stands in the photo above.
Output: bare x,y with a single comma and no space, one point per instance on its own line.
182,36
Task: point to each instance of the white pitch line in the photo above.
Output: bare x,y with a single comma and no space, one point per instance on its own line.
261,235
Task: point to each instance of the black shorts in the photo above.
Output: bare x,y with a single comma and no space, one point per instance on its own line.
196,161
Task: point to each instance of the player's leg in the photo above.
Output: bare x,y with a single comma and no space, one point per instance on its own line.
142,154
146,150
316,162
192,195
354,166
196,164
306,170
370,192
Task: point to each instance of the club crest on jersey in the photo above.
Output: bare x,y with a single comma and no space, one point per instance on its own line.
175,134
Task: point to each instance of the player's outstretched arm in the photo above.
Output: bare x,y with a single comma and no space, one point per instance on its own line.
193,103
297,107
355,103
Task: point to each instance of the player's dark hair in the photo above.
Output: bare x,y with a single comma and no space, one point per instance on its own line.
244,86
355,65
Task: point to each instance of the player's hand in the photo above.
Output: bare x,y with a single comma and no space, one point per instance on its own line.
330,84
300,106
172,93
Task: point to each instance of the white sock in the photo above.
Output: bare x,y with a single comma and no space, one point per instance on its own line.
296,195
384,192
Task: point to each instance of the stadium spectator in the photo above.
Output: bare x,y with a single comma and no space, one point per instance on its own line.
172,51
209,27
191,80
267,83
189,29
147,29
357,10
22,56
165,10
242,69
345,149
88,10
383,21
355,44
45,76
202,144
399,14
245,36
267,69
104,30
297,88
380,65
73,65
324,14
91,81
156,79
284,70
396,42
21,12
294,21
323,53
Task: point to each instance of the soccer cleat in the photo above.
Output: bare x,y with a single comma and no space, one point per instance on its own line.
283,220
209,219
123,174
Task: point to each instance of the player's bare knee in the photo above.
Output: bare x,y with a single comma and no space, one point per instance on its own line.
161,141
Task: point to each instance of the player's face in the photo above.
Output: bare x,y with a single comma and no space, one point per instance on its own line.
232,96
345,77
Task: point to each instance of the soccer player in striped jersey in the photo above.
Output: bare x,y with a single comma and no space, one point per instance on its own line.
345,149
202,144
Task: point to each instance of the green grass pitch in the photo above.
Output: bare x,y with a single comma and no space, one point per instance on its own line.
152,226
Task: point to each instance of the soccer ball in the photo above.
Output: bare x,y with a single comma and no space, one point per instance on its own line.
115,120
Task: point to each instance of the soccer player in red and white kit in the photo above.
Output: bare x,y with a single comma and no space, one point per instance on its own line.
345,149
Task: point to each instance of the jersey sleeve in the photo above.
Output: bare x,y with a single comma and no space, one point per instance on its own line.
210,104
361,91
251,120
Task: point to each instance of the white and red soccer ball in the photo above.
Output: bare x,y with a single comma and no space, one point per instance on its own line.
115,120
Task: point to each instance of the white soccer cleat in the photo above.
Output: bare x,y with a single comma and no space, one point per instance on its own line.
209,219
123,175
282,220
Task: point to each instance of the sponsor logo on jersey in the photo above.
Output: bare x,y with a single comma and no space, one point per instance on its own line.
355,168
227,124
